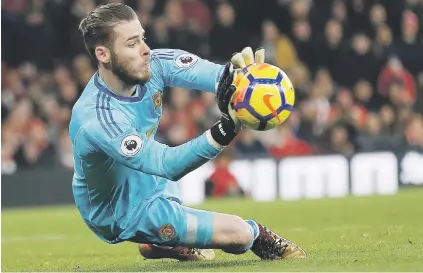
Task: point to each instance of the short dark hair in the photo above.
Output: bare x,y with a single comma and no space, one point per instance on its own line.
97,26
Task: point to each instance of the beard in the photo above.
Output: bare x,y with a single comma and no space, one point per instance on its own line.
122,70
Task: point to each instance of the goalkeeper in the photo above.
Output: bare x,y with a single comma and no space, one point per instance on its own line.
124,181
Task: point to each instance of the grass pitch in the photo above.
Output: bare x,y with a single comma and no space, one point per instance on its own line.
378,233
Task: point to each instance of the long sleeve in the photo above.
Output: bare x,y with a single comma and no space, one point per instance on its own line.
179,68
138,152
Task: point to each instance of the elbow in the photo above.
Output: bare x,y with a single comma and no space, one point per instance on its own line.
174,176
177,165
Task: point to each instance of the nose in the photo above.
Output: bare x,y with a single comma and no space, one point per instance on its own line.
145,50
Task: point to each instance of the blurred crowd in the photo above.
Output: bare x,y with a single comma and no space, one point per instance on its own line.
357,67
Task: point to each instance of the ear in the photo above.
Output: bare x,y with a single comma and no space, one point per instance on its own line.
103,54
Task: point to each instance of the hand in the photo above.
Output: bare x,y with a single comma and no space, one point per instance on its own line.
225,130
226,89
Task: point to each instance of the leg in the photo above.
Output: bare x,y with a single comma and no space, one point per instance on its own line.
169,223
172,192
220,231
153,251
234,235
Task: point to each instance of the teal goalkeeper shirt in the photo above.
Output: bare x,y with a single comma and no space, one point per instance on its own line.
118,166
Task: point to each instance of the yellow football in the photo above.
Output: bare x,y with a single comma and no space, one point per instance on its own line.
264,97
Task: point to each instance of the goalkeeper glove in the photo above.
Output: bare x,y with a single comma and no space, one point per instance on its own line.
225,130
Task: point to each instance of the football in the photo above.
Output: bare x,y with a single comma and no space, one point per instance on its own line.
264,97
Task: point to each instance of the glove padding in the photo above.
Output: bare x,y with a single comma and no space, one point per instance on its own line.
247,57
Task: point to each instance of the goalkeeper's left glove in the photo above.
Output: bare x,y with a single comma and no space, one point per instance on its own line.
225,130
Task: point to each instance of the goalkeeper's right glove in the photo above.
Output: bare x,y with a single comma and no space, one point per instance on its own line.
225,130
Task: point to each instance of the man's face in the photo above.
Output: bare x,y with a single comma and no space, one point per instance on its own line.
130,55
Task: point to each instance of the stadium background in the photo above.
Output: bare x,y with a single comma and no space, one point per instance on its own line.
357,67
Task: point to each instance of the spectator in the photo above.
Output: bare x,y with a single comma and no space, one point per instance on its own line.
225,30
289,144
394,71
388,117
160,33
279,49
383,42
361,57
180,37
409,48
366,97
333,51
222,182
346,111
414,132
182,126
197,15
300,78
248,144
378,17
305,44
373,139
339,142
339,13
300,9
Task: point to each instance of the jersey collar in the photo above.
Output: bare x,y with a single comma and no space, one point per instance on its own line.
102,86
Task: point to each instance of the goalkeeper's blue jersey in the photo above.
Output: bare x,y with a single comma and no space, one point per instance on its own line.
118,166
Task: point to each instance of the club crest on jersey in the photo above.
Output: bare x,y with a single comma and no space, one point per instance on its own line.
186,60
167,232
157,99
131,145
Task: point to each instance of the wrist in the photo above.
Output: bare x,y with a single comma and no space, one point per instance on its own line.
223,133
213,142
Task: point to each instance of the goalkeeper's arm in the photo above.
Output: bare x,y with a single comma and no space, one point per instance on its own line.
138,152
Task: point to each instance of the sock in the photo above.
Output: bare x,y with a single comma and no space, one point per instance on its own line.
254,229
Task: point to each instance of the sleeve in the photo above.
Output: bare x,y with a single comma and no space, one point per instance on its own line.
178,68
138,152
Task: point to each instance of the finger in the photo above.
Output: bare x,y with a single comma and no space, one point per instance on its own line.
224,74
232,89
231,78
238,60
228,73
248,55
231,67
234,75
259,55
229,93
227,69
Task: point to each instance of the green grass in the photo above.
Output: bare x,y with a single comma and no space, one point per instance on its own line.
378,233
